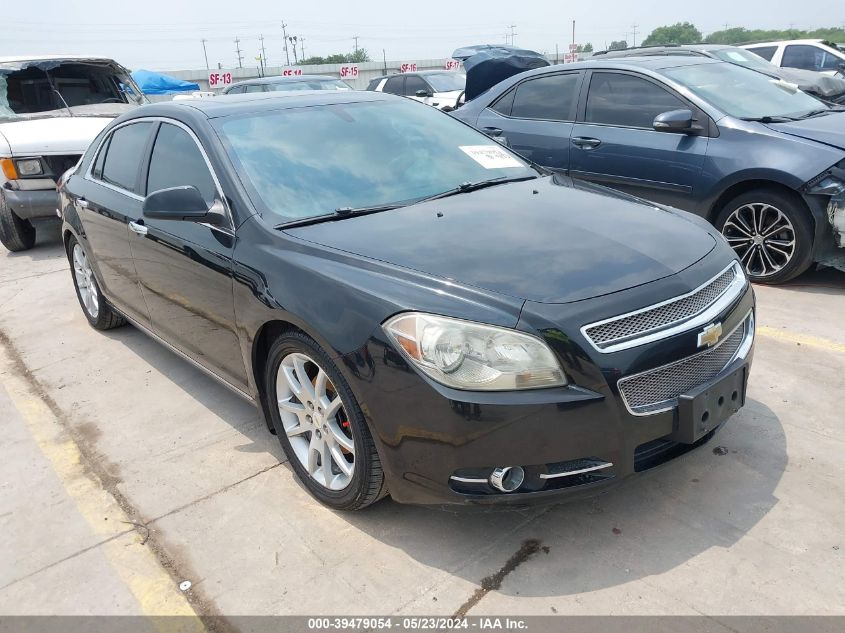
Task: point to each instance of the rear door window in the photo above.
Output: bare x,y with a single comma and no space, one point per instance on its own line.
395,85
550,98
123,158
505,103
627,101
809,57
766,52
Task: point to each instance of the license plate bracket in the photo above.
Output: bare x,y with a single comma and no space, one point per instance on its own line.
706,407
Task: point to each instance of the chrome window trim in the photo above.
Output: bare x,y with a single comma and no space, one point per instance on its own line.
90,177
728,296
741,352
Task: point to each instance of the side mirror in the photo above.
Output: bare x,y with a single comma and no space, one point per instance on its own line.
676,121
423,93
175,203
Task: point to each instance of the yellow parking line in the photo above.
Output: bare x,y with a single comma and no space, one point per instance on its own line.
802,339
136,566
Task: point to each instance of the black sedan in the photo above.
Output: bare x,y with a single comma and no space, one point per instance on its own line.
414,308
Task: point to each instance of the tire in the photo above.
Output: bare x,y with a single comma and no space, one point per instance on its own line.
306,439
94,306
16,234
783,249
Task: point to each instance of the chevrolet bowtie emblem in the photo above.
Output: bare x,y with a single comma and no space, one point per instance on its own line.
710,335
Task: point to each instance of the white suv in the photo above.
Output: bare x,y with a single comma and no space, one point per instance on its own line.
819,55
438,88
51,108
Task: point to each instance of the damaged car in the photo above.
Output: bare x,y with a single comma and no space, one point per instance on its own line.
756,156
51,108
418,311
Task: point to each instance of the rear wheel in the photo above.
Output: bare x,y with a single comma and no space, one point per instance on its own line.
320,425
99,313
16,234
771,232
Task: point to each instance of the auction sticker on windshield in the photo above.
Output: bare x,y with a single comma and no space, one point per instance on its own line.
490,156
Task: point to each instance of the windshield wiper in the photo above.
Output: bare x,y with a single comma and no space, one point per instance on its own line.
813,113
467,187
769,119
338,214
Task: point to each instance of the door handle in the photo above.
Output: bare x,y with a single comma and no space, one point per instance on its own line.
140,229
492,131
585,142
82,202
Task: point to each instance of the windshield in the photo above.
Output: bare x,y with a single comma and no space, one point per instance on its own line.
446,82
744,93
304,162
33,91
310,84
745,58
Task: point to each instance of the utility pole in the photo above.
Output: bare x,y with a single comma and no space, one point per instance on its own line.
634,34
355,37
302,47
263,52
238,49
205,54
292,39
384,60
285,40
573,36
512,33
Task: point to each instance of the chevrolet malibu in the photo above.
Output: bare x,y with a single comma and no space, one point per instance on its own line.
415,309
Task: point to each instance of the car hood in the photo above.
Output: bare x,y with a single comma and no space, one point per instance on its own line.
545,240
811,81
57,135
828,129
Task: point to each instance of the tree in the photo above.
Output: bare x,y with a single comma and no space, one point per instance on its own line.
357,57
680,33
618,45
740,35
586,48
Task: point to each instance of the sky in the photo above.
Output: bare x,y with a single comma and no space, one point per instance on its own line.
167,34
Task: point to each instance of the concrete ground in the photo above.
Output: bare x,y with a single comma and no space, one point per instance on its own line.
124,472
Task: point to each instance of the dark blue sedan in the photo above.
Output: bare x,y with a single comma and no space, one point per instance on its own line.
758,158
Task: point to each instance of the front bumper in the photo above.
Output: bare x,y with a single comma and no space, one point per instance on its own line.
428,435
32,204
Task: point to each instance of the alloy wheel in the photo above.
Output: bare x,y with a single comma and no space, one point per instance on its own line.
762,236
85,282
315,421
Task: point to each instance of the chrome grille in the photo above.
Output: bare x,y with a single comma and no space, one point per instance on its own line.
659,388
624,327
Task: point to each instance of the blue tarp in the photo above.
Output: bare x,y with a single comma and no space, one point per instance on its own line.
153,83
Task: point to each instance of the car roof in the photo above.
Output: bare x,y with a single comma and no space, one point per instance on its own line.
653,62
282,80
47,58
779,42
418,72
227,105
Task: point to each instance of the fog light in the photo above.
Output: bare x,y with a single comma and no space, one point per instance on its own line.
507,478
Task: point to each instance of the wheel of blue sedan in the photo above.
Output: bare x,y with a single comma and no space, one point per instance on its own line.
320,425
770,233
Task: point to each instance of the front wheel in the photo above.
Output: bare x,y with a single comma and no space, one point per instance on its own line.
771,232
320,425
16,234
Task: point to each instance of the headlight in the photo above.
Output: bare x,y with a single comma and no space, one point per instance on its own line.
29,167
473,356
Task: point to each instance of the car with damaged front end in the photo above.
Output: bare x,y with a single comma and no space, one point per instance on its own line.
416,309
51,108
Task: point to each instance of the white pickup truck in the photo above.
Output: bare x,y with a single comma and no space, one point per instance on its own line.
51,108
